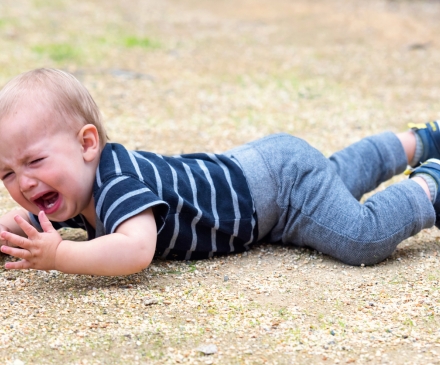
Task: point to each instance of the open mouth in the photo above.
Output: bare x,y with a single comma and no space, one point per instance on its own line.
48,202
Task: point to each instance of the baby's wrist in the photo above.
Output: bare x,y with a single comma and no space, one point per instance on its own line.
59,260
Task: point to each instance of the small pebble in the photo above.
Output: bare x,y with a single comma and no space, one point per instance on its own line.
150,301
209,349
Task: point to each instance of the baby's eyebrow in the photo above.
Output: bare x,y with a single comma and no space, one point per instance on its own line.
28,155
4,170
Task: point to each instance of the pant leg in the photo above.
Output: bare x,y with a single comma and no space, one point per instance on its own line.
366,164
298,191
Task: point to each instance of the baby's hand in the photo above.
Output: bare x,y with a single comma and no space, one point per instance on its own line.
38,251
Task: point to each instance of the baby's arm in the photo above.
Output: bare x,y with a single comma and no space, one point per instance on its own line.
130,249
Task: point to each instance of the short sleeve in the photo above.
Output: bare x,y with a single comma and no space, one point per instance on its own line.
122,197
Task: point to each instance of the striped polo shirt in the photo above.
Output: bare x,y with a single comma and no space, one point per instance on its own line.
202,203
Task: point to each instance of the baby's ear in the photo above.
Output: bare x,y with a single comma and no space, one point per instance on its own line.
89,138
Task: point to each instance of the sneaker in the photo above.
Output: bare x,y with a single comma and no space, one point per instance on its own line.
429,133
431,168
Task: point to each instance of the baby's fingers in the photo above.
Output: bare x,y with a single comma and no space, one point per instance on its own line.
18,265
16,252
3,242
15,240
30,231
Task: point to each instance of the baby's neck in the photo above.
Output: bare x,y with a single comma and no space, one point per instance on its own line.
90,213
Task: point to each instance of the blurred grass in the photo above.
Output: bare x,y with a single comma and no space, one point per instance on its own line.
146,43
60,52
66,53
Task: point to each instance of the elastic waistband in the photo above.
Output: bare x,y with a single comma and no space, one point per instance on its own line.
263,186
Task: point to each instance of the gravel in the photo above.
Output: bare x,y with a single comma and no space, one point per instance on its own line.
220,74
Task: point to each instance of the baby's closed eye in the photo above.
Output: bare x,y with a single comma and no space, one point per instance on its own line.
36,161
6,175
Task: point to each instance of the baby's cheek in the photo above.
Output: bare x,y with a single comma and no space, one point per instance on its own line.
16,194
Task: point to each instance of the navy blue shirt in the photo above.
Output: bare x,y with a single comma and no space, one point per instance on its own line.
201,201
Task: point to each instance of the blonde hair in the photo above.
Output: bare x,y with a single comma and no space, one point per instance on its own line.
59,90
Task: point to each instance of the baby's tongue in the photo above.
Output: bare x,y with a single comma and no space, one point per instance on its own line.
49,199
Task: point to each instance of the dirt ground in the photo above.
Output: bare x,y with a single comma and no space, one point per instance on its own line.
203,75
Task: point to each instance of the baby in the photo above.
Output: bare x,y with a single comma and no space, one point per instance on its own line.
56,163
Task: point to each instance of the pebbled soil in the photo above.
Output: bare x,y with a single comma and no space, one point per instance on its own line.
203,75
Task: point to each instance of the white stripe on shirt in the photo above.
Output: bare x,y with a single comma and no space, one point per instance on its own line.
234,199
133,213
121,199
116,162
104,193
156,173
199,212
214,206
176,216
98,177
136,166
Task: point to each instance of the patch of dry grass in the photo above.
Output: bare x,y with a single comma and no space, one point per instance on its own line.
204,75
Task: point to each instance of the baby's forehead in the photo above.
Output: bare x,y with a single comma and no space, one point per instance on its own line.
43,113
16,100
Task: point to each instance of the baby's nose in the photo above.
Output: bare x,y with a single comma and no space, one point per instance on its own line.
26,183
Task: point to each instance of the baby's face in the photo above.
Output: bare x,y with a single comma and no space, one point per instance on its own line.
42,164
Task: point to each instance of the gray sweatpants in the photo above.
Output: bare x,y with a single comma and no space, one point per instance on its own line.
304,199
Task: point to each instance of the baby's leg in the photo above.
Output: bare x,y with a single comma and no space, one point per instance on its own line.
302,201
373,160
323,214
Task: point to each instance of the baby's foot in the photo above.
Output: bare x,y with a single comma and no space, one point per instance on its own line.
430,172
429,139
